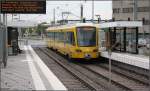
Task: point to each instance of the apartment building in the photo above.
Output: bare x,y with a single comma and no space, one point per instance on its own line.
124,9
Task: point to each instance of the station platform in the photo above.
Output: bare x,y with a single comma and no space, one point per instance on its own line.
132,59
27,71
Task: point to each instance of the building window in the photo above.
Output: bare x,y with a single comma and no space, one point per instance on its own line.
127,10
143,9
116,10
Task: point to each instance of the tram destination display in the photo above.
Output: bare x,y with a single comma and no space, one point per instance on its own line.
23,6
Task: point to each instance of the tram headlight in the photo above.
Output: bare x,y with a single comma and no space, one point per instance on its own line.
95,50
78,50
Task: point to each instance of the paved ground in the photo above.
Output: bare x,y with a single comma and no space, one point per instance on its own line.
17,74
26,71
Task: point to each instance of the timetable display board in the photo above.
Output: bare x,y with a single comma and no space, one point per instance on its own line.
23,6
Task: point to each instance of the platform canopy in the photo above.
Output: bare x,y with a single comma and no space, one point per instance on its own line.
22,24
122,24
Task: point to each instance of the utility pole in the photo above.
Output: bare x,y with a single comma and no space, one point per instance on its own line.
19,17
62,14
149,46
12,17
54,15
93,11
0,42
81,12
0,16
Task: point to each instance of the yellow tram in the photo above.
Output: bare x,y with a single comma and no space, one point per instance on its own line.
75,41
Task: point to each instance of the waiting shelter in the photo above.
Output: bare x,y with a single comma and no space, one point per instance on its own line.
121,36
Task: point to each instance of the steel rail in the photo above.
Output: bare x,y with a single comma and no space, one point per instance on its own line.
91,84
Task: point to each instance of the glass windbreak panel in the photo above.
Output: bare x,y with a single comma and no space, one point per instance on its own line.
131,40
119,40
102,39
122,40
86,36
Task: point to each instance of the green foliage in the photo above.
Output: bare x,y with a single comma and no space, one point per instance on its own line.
30,30
41,28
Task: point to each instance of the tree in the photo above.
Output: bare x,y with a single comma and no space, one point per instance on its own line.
41,28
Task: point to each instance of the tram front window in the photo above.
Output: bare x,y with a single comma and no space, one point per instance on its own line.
86,36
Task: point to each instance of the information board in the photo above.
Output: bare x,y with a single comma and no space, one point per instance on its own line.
23,6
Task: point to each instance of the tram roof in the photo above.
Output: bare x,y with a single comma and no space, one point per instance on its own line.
128,24
70,26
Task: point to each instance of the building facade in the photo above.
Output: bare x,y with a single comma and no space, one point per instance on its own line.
124,9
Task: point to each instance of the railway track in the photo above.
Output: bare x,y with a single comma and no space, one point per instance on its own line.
71,82
144,79
96,76
138,71
64,63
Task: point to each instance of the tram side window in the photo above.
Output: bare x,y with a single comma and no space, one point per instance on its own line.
70,38
49,34
52,35
61,36
56,36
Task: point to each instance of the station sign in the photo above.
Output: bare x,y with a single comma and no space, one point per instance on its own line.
23,6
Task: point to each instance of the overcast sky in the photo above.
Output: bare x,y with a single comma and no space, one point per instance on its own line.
103,8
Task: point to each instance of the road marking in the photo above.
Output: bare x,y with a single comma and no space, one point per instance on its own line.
38,83
52,79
